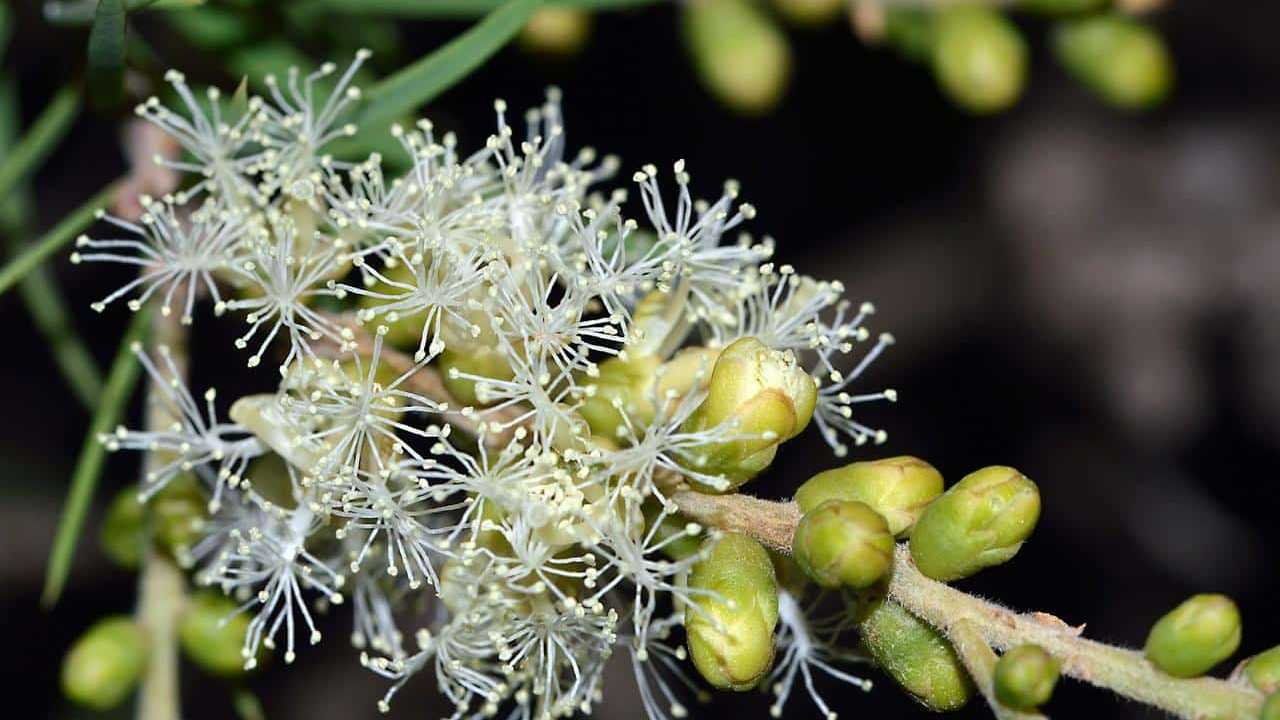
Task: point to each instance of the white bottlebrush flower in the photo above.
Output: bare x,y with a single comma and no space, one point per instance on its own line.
833,413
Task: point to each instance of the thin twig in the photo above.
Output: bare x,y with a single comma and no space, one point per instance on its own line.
980,661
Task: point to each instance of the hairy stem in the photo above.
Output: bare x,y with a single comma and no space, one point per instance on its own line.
953,612
980,661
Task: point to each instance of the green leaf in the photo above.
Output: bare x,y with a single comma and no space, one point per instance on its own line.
120,383
55,239
456,8
106,54
45,133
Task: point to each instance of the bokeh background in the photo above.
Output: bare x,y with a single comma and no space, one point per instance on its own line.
1089,295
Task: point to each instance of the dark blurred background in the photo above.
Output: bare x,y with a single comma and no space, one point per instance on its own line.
1088,295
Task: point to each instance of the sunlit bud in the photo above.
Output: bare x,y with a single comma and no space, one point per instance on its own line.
915,655
899,488
979,59
810,12
479,361
731,619
1025,677
1193,637
123,533
104,665
738,51
980,522
763,397
843,543
1263,670
1119,58
556,30
212,633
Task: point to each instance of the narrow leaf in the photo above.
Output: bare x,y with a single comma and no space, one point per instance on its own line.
115,397
55,239
45,134
106,54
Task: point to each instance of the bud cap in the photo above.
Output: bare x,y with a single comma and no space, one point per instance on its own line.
843,543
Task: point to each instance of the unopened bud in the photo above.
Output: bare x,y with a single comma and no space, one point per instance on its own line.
739,53
1271,707
556,30
212,633
178,513
623,386
1263,670
1025,677
843,543
104,665
759,395
980,522
899,488
1193,637
123,533
1062,7
1119,58
979,59
915,655
731,618
810,12
485,362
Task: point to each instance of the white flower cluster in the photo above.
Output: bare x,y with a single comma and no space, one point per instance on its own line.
530,549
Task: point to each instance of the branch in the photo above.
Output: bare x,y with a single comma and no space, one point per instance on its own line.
980,661
1126,672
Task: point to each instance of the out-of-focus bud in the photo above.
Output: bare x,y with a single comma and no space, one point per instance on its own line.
482,361
980,522
843,543
556,30
915,655
810,12
178,513
730,629
1025,677
738,51
979,59
622,386
1263,670
1193,637
1062,7
122,536
212,633
1121,59
899,488
760,395
104,665
1271,707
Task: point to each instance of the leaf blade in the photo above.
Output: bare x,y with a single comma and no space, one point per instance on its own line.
55,239
106,53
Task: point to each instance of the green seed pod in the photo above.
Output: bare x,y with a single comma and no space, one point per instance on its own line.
757,392
843,543
1025,677
980,522
730,633
212,633
1193,637
899,488
915,655
1263,670
979,59
1120,59
123,534
1271,707
740,54
104,665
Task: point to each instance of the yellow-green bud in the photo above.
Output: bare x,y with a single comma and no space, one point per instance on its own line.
1263,670
212,633
730,632
916,656
1025,677
1193,637
979,59
1122,60
810,12
474,360
626,383
556,30
843,543
1271,707
104,665
980,522
739,53
123,533
899,488
756,392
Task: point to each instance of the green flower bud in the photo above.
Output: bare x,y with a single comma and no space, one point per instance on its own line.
730,633
979,59
556,30
911,32
1193,637
474,360
843,543
104,665
621,386
1120,59
1263,670
915,655
739,53
980,522
178,513
756,392
212,633
1025,677
672,526
1062,7
123,534
899,488
810,12
1271,707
